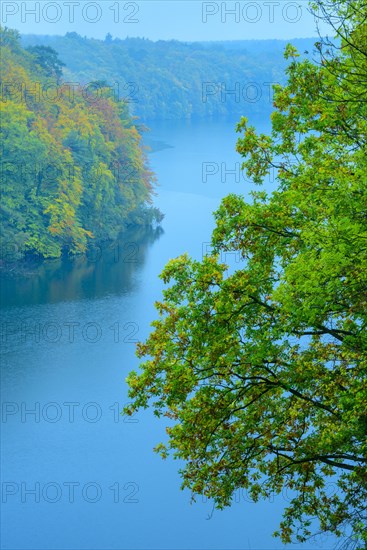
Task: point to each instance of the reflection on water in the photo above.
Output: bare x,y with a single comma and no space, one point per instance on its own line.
106,269
68,341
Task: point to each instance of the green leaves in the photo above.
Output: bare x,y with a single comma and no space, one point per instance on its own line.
73,169
264,370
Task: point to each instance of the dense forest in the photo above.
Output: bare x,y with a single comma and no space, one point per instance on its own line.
176,80
74,171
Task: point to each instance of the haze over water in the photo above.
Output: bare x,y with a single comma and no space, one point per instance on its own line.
79,474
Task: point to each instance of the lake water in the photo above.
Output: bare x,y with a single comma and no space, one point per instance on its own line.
75,473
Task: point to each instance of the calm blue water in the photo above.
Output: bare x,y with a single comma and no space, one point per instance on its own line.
75,473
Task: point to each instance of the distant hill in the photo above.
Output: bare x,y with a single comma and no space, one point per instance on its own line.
178,80
263,46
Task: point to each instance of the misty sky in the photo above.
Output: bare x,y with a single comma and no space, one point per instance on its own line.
189,20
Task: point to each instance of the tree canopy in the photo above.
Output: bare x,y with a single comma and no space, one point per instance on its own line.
262,370
73,170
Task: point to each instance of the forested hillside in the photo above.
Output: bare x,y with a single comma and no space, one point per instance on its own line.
176,80
73,168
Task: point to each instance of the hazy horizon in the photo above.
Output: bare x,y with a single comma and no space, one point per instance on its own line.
185,21
213,41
